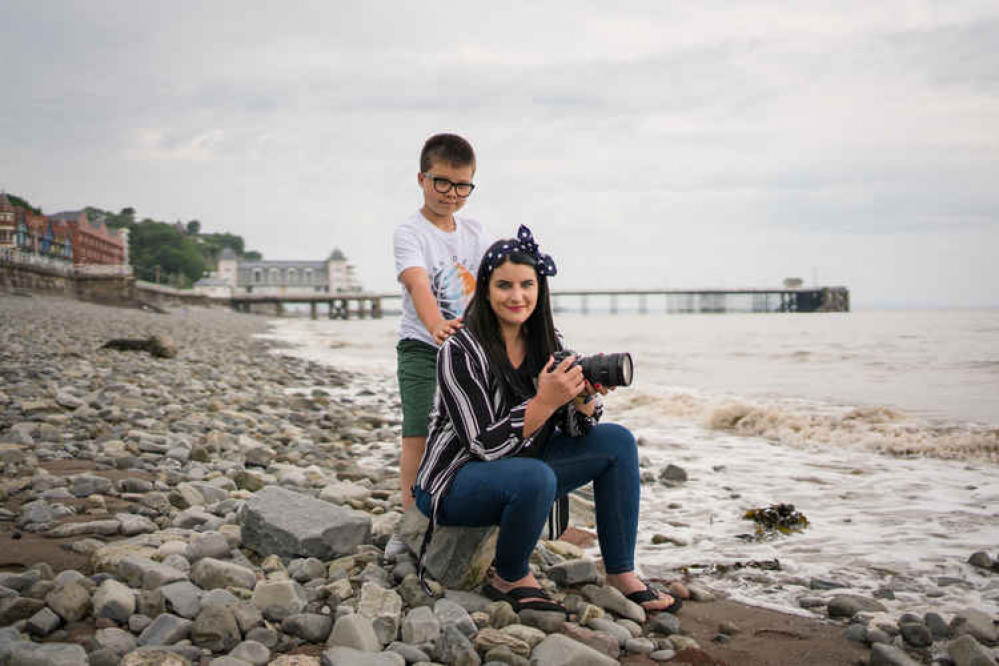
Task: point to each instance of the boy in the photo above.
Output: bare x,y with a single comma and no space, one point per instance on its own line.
437,256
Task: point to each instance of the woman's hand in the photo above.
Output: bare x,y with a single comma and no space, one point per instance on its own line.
559,386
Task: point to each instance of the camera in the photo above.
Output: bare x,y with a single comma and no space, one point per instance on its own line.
604,369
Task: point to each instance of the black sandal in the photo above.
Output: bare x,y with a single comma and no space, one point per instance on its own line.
515,596
651,594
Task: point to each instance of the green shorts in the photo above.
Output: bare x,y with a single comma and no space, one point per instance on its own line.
417,371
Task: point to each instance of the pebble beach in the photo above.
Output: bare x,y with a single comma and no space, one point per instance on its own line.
225,503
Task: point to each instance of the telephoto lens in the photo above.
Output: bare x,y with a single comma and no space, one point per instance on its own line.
605,369
608,369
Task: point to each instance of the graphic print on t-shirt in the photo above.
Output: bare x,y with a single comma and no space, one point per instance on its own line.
453,285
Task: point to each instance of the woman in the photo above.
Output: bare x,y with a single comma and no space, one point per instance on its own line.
511,431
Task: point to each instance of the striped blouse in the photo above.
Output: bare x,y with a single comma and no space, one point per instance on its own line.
471,420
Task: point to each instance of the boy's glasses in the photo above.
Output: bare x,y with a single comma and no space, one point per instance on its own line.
443,186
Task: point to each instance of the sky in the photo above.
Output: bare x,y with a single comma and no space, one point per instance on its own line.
658,144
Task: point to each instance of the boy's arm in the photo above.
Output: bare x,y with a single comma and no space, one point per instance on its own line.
417,283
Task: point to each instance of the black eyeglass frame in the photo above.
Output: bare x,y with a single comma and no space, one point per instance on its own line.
438,181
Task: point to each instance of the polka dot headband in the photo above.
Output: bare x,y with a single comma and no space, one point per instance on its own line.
525,243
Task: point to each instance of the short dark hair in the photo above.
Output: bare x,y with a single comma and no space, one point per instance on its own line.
449,148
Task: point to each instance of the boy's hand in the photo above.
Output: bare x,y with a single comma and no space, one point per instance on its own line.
446,329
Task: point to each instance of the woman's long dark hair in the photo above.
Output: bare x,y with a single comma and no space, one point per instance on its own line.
539,328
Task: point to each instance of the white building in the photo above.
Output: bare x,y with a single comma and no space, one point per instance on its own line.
280,278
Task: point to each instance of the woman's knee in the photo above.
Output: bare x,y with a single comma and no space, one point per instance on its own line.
616,437
534,478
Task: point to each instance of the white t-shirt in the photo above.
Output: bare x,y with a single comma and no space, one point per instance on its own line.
451,261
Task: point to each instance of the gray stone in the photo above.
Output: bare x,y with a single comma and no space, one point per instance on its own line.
966,651
166,629
226,660
888,655
937,626
183,598
848,605
547,621
310,627
384,609
448,613
410,653
916,634
47,654
663,655
876,635
85,485
132,524
639,645
470,601
43,623
614,629
278,599
857,633
114,601
276,521
347,656
209,574
116,640
354,631
218,596
341,492
252,652
673,474
610,598
98,527
216,629
457,557
420,626
247,615
148,574
560,650
982,560
71,602
154,657
574,572
666,624
978,624
305,569
103,657
454,647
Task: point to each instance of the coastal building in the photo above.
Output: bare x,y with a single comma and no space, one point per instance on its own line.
38,235
7,226
93,242
280,278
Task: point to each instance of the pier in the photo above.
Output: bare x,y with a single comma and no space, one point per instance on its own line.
586,301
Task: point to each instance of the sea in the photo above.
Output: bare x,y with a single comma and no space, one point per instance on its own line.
880,427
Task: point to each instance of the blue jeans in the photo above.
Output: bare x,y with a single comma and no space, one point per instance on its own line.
517,494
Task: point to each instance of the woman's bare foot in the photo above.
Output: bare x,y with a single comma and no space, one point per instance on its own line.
629,582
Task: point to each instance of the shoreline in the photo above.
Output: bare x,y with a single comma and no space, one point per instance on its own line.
106,413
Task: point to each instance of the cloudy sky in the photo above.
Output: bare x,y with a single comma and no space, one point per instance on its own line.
669,144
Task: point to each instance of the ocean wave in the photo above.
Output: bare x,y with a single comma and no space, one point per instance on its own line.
880,428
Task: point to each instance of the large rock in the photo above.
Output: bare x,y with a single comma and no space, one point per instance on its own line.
560,650
888,655
183,598
420,626
848,605
454,647
216,629
457,557
154,658
280,522
978,624
346,656
114,601
310,627
209,574
610,598
384,608
279,599
355,631
116,640
47,654
71,602
166,629
966,651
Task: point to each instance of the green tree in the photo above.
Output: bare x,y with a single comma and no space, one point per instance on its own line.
193,228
